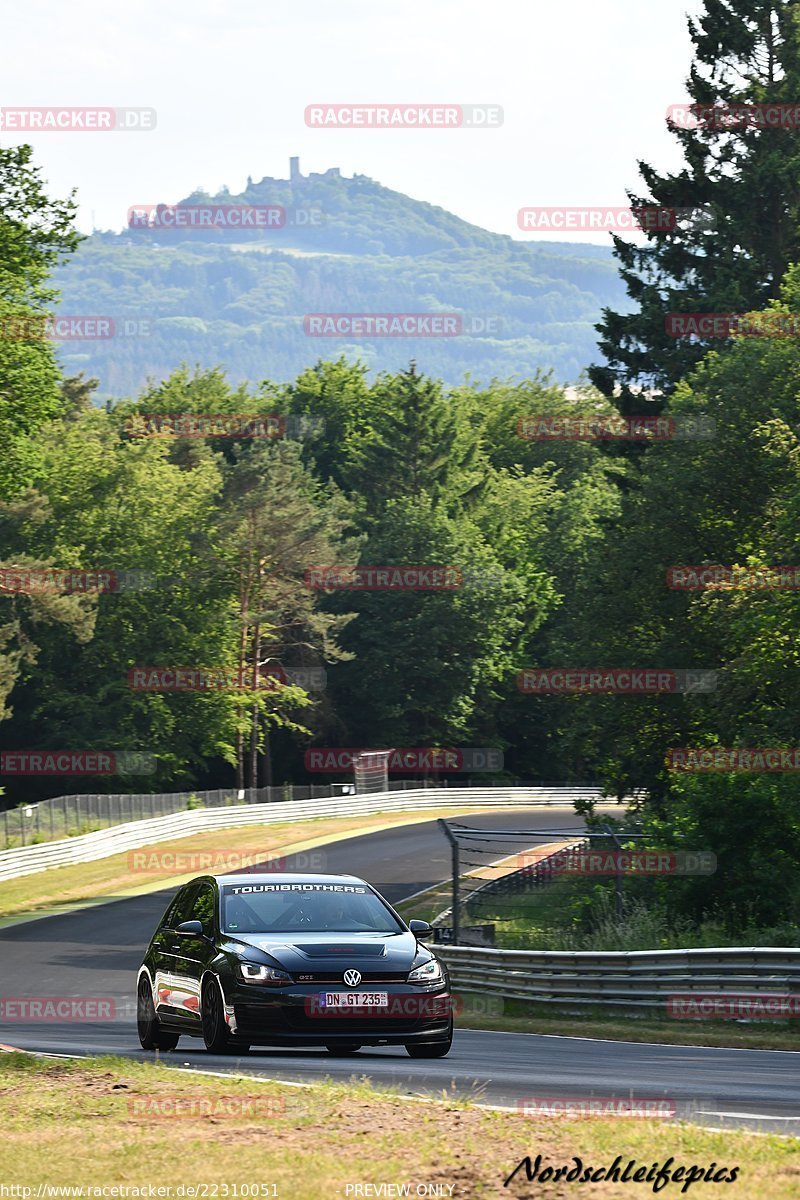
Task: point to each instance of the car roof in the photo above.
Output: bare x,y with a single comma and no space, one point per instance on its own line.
280,877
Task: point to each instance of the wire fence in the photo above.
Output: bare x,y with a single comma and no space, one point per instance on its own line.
521,882
69,816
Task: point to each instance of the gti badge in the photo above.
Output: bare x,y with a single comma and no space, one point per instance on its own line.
352,978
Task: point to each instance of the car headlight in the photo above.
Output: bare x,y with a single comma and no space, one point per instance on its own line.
429,972
256,973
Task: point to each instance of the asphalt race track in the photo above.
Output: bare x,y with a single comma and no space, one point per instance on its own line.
96,951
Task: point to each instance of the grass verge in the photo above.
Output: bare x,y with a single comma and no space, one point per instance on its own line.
106,1122
517,1016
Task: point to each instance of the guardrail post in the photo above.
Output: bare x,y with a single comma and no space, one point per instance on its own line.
617,875
456,870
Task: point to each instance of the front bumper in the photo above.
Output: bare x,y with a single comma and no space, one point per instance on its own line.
295,1016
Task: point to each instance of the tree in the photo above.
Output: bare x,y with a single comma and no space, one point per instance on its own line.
103,504
276,522
417,441
730,499
35,234
337,395
426,663
744,178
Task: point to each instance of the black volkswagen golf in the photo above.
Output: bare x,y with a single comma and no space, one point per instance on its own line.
292,960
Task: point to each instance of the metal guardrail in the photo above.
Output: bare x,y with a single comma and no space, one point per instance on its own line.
68,816
635,979
25,860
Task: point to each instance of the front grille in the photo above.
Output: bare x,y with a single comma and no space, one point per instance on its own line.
368,1026
326,977
292,1018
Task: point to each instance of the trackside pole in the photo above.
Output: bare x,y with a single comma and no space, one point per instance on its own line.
455,868
617,875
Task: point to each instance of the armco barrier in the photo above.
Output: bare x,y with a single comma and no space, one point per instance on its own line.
25,860
29,824
637,979
86,812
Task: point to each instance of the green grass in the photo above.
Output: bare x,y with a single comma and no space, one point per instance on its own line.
521,1016
108,1121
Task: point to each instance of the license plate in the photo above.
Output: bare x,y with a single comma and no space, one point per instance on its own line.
354,1000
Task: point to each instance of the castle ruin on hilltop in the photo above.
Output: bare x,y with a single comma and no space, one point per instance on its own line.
296,177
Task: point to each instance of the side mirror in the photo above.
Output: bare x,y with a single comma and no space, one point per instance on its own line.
195,928
422,930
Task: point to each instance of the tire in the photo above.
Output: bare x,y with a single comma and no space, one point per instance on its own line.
430,1049
148,1026
216,1034
345,1048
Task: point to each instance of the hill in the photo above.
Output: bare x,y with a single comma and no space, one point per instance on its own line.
238,297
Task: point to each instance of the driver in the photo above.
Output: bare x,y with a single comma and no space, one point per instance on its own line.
338,915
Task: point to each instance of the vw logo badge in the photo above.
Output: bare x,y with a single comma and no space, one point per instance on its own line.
352,978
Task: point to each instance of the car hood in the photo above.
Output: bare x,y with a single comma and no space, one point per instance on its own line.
325,951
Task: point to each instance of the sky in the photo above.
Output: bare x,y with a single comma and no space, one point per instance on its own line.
583,86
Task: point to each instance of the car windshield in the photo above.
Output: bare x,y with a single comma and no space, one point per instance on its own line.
304,908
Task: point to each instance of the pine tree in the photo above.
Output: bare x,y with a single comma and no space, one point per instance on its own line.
746,179
418,441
